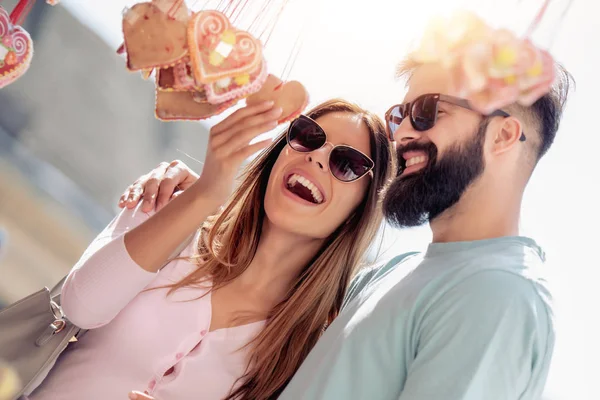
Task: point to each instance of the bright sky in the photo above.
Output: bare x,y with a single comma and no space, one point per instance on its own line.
350,49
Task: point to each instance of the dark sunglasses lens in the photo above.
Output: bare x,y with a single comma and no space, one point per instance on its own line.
423,112
305,135
394,119
347,164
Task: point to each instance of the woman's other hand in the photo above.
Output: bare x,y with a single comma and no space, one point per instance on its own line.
159,186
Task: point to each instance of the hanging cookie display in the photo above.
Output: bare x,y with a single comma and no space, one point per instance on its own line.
491,68
203,65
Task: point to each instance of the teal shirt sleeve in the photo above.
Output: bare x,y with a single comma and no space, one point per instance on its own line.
488,337
370,275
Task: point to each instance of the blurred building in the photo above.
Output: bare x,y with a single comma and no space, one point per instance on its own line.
75,130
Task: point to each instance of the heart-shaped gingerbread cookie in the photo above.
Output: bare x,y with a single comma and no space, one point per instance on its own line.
177,106
155,34
237,87
291,96
220,51
16,50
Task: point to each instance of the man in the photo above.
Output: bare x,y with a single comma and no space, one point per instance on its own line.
472,317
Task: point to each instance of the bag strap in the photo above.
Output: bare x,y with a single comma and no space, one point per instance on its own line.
55,292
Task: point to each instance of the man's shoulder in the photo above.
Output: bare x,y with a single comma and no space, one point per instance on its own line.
369,275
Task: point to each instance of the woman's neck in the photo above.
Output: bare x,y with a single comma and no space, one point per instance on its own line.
279,259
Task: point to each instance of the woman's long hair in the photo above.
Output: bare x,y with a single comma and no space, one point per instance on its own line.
295,324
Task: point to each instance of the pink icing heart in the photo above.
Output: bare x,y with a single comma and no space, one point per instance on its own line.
16,50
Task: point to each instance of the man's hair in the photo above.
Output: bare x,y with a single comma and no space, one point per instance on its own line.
544,115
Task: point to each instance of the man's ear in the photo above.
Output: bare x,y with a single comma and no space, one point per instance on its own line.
506,135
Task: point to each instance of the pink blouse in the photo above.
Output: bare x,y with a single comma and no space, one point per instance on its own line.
135,337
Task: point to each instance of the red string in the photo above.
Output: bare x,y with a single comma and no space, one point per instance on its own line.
260,16
227,8
19,13
283,4
175,7
244,5
538,18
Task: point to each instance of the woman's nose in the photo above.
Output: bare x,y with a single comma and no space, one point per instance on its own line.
319,158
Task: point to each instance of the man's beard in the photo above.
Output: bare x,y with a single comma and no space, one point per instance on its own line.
425,194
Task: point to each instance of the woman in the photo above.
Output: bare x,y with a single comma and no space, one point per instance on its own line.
235,315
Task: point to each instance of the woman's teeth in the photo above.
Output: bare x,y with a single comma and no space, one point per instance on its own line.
316,193
415,160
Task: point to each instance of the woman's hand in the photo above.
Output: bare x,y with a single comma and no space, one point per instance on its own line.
159,186
152,242
135,395
228,147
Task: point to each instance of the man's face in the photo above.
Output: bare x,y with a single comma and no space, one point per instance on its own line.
436,165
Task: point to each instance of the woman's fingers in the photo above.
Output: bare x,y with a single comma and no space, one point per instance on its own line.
239,115
247,151
264,121
130,196
135,395
139,188
243,138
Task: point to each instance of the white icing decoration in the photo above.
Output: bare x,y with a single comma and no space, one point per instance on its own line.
223,83
224,49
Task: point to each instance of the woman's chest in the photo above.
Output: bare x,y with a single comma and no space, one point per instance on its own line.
165,342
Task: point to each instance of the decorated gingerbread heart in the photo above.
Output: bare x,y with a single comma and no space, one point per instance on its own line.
16,50
220,51
291,96
227,89
155,34
173,106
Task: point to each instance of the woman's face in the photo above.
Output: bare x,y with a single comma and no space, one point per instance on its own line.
320,206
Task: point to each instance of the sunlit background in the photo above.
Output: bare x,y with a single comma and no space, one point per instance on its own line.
78,128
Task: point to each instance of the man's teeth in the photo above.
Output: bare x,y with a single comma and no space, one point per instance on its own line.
316,193
415,160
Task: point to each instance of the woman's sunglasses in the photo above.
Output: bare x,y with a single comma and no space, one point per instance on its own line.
423,112
345,163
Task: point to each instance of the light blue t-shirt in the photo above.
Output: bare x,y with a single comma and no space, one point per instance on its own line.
464,321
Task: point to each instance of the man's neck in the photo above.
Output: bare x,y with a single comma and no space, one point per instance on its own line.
482,213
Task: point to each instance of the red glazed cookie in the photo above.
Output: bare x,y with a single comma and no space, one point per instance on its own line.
291,96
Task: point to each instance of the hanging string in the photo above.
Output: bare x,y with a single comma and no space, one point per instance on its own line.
540,15
174,8
239,9
277,17
538,18
227,8
560,22
260,16
18,14
291,61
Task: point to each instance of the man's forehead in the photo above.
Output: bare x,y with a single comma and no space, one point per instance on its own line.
427,79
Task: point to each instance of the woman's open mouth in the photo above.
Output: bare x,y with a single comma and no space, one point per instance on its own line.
304,189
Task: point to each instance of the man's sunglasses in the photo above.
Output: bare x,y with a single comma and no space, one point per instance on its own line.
423,112
345,163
